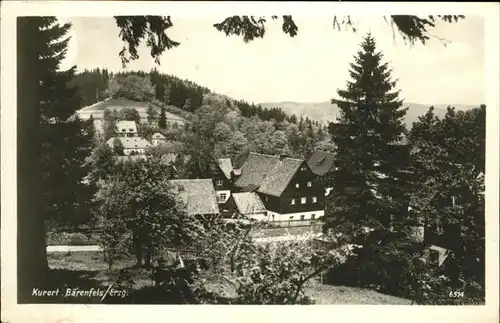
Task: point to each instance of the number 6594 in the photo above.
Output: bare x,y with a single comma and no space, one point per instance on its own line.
456,294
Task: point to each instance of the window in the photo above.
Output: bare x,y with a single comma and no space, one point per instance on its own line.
222,197
302,217
315,199
292,202
219,182
309,184
313,216
297,185
303,169
303,200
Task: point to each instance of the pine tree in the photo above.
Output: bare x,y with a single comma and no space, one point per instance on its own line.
50,143
67,141
167,94
162,123
369,199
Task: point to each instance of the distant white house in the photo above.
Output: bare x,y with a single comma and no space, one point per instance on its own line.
157,138
126,129
131,145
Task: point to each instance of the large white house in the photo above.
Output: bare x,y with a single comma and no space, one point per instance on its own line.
131,145
126,128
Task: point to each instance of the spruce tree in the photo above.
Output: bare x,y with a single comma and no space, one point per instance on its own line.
66,140
368,204
162,123
51,145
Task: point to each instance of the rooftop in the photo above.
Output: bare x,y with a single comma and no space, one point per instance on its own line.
248,203
268,174
131,142
157,135
321,162
126,126
198,194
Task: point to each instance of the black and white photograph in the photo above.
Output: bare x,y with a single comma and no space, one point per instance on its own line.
259,159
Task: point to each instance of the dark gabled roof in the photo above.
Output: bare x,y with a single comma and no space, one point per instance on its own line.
321,162
198,195
248,203
271,174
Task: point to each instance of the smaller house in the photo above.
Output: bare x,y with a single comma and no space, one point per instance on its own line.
126,129
248,205
131,145
157,138
320,163
198,195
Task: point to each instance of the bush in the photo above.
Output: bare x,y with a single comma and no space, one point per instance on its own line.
69,238
401,272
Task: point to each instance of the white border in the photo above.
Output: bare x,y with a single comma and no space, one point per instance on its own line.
11,312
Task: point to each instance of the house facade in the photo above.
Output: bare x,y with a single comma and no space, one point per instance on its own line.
157,138
287,187
131,145
221,174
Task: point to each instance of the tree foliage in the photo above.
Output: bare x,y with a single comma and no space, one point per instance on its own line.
162,122
153,215
450,164
154,29
66,141
371,164
132,87
278,273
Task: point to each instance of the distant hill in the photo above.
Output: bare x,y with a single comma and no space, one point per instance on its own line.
326,112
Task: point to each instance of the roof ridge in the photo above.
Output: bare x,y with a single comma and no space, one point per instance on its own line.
276,156
254,153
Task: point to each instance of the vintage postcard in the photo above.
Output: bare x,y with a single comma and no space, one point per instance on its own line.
157,154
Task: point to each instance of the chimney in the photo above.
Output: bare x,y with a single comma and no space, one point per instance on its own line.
283,156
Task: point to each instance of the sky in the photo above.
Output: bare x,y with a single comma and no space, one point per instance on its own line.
307,68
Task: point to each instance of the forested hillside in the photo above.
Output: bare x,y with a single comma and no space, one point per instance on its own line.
233,127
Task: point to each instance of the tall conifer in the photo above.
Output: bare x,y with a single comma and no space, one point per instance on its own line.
369,196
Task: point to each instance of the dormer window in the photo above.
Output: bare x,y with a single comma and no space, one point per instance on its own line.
297,185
